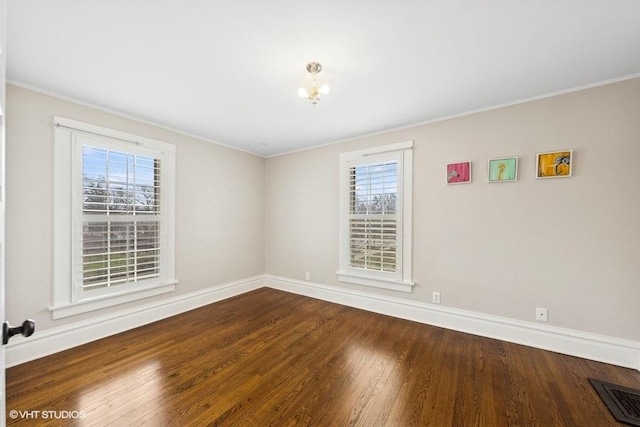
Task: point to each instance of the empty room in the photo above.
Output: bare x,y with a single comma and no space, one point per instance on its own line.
320,214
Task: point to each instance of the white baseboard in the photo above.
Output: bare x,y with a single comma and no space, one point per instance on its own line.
50,341
600,348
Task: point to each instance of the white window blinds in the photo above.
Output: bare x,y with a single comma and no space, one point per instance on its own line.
121,217
373,221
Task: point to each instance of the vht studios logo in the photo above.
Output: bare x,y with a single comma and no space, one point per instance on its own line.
46,415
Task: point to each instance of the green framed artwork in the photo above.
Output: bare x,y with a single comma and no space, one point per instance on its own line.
503,169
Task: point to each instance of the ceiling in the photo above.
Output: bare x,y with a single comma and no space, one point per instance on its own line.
228,70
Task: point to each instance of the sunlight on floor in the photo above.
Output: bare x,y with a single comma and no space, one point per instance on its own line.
382,383
127,394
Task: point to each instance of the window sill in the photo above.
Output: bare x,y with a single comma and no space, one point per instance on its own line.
393,285
66,310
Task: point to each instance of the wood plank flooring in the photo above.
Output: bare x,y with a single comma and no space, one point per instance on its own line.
270,358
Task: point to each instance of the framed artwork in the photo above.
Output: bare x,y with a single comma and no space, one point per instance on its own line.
504,169
554,164
459,173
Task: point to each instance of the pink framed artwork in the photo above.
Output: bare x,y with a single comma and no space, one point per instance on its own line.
459,173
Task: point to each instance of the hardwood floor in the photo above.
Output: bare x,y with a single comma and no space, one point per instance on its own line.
273,358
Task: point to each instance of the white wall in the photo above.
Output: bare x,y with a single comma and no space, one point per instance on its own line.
219,207
571,245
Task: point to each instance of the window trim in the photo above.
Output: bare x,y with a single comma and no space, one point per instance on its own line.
66,175
401,280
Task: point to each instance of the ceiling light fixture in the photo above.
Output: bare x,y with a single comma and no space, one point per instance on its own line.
315,92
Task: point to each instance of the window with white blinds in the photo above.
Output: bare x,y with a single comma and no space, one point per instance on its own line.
375,217
114,217
121,217
373,221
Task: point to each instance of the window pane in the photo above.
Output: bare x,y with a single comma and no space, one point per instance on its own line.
119,183
374,188
372,244
119,252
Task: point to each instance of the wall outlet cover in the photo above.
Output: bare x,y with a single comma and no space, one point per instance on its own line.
542,315
435,298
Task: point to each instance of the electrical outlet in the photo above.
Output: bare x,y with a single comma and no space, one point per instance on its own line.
435,297
542,314
307,276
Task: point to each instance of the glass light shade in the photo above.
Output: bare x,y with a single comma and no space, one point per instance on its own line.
302,93
324,89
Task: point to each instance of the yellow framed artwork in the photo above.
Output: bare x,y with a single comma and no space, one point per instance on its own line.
554,164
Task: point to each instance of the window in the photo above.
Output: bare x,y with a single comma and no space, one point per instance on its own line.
375,217
121,217
114,217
